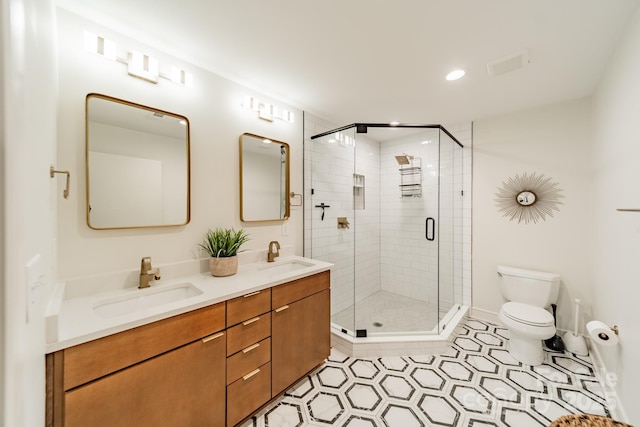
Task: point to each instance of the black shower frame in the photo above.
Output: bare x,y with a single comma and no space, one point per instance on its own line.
362,128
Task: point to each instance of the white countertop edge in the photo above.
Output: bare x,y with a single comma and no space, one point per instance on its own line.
77,324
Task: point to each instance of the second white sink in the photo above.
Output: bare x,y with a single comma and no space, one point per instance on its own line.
143,299
285,266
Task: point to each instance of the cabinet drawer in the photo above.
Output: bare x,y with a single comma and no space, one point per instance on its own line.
248,360
248,306
247,333
95,359
248,393
298,289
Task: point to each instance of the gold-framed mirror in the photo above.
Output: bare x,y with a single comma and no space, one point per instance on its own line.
264,179
137,165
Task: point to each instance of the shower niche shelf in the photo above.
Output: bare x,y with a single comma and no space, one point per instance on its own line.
358,192
411,178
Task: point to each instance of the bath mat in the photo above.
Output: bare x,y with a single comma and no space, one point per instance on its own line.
584,420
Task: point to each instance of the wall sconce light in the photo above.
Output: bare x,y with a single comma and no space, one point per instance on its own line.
143,66
100,46
266,111
181,77
139,64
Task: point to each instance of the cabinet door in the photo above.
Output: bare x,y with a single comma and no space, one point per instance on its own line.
184,387
300,339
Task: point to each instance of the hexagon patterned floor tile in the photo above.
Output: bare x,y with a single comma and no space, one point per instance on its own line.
363,396
476,383
397,386
332,377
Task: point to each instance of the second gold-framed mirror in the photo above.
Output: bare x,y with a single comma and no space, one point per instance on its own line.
264,179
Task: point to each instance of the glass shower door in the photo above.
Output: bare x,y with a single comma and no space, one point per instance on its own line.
332,221
402,297
450,229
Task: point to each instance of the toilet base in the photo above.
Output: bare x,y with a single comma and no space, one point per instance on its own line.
525,350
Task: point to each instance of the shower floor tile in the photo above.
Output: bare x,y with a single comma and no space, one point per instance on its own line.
477,383
379,312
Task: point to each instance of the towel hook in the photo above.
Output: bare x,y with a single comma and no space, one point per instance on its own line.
53,171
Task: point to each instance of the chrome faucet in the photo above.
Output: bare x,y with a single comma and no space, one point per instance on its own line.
146,273
271,255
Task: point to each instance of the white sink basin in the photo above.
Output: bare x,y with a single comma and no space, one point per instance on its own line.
142,299
285,266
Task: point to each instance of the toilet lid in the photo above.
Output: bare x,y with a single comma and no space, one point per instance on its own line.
529,314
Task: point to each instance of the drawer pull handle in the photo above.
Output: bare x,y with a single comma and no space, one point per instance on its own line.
250,321
253,347
251,294
250,374
212,337
283,308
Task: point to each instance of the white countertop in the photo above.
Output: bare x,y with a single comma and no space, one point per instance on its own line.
71,319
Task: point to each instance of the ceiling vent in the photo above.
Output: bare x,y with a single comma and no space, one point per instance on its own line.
509,63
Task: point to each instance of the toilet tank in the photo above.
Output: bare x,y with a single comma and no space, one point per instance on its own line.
528,286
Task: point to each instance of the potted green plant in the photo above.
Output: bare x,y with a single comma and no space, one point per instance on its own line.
222,245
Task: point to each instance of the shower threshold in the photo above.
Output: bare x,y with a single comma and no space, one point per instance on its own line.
401,344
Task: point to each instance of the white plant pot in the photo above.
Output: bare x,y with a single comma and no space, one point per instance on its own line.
223,266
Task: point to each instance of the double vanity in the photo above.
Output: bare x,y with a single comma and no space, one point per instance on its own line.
192,350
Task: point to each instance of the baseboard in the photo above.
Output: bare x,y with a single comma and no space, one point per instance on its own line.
481,314
607,382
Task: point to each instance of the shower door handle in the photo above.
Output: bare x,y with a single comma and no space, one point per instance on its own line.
430,229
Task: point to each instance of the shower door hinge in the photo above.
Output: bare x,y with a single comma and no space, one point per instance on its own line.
462,192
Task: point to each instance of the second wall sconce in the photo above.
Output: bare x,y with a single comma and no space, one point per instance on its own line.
267,111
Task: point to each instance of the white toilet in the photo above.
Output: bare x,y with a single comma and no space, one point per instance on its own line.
528,293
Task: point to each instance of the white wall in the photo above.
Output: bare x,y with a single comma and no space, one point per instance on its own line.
616,284
217,120
29,196
554,141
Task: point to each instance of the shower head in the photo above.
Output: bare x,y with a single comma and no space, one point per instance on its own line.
404,159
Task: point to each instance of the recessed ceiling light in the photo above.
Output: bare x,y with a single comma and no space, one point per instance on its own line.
455,75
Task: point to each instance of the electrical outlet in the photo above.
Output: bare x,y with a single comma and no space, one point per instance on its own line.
285,228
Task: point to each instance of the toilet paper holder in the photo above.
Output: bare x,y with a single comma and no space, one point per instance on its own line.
603,334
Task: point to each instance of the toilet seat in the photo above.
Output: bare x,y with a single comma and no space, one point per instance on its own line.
527,314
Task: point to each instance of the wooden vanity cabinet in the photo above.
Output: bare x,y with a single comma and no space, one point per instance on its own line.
214,366
300,329
170,372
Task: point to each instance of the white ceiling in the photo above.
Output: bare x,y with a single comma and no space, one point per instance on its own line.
383,60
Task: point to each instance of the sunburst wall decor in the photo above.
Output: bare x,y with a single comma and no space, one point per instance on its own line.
529,197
